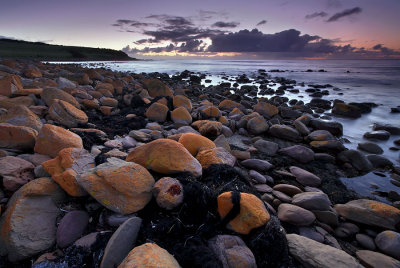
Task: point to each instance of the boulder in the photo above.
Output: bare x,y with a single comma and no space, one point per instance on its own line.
181,116
31,71
314,254
71,227
210,112
229,105
208,128
17,137
299,153
320,135
312,201
9,85
288,189
266,147
121,243
15,172
66,166
165,156
157,88
346,110
304,177
168,193
20,115
257,125
389,128
253,213
372,259
182,101
379,161
377,135
295,215
334,146
31,232
358,160
149,255
195,142
157,112
50,94
265,109
66,114
389,243
217,155
52,139
120,186
285,132
370,147
370,212
335,128
232,251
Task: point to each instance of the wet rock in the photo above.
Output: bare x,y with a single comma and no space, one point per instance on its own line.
157,112
66,114
65,83
329,217
370,147
379,161
232,251
50,94
17,137
366,241
320,135
301,127
295,215
304,177
373,259
257,176
208,128
71,227
66,166
121,243
389,243
335,128
157,88
166,157
195,142
346,110
266,147
252,213
312,201
181,116
389,128
334,146
265,109
299,153
149,255
20,115
313,254
257,125
229,105
182,101
15,172
285,132
52,139
35,232
357,160
168,193
120,186
370,212
257,164
216,155
377,135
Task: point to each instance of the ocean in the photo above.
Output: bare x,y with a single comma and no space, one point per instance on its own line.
375,81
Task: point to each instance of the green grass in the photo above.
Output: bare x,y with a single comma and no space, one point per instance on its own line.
16,49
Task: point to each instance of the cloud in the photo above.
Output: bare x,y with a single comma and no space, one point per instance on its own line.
261,23
344,13
316,15
171,20
222,24
334,3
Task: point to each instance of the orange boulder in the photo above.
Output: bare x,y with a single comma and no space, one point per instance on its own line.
252,214
67,114
216,155
165,156
9,85
183,101
157,112
157,88
181,116
208,128
194,142
17,137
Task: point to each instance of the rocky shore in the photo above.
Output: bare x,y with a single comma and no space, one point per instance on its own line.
110,169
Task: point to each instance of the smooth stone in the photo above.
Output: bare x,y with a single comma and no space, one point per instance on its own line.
370,147
295,215
346,229
257,164
377,135
311,234
299,153
328,217
320,135
257,177
285,132
168,193
372,259
121,243
335,128
263,188
314,254
304,177
366,241
389,243
387,127
379,161
288,189
267,147
358,160
281,196
71,227
312,201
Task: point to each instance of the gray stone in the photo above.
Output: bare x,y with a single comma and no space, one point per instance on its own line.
377,135
370,147
366,241
304,177
389,128
121,243
295,215
40,172
311,234
263,188
257,176
312,201
232,251
314,254
389,243
257,164
300,127
346,229
266,147
288,189
328,217
15,172
379,161
281,196
71,227
358,160
373,259
320,135
221,141
299,153
285,132
335,128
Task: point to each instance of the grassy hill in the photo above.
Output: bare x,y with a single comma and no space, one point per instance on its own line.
17,49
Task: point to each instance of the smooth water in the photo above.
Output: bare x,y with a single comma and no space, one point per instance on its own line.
375,81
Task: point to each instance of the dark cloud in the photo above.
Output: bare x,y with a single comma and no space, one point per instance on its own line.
261,23
171,20
385,51
179,34
132,23
191,46
222,24
344,13
316,15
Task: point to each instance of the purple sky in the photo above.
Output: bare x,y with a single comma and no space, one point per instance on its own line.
180,28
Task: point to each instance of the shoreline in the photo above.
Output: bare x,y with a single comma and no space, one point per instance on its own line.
277,152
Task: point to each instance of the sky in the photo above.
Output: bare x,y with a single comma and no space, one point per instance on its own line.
220,29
